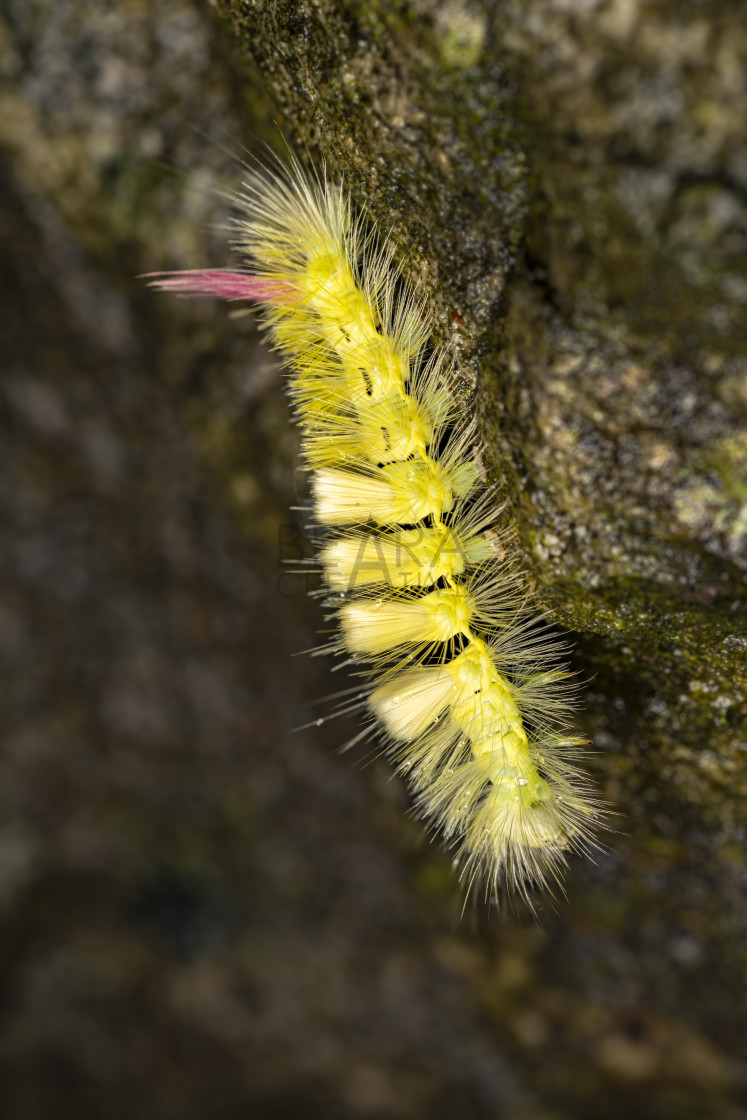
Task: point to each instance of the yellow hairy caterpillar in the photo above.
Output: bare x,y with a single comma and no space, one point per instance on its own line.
465,691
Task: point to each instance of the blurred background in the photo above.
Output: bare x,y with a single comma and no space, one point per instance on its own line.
204,914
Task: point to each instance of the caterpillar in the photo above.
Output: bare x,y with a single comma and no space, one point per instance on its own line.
464,689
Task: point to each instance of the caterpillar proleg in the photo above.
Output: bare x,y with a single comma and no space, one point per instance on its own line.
464,689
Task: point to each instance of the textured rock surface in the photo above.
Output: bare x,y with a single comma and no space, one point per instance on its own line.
203,914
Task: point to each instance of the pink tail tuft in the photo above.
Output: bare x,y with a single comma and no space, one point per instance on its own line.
214,283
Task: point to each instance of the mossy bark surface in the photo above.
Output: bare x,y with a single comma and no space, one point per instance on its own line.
204,913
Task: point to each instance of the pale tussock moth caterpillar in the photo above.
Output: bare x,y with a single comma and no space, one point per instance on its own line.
466,690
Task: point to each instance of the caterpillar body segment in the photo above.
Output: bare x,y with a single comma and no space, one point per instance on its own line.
408,559
465,689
